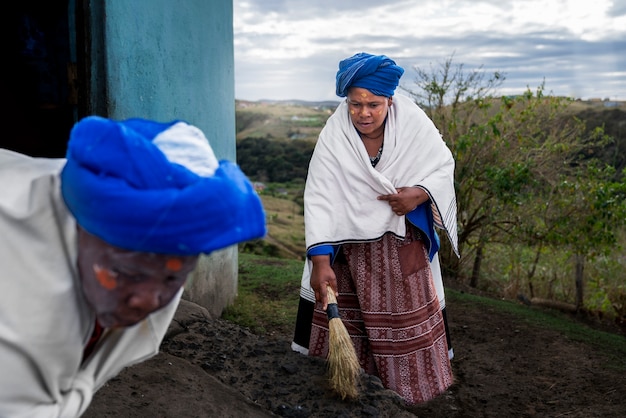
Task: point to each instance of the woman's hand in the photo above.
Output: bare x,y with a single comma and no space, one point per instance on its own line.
405,200
322,276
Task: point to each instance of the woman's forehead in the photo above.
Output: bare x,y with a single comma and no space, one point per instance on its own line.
358,94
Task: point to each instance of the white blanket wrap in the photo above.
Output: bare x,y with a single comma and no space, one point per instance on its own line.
340,205
342,186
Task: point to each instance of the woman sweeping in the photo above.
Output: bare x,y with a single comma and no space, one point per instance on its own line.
379,182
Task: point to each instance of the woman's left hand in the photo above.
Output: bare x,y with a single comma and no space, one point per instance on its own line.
405,200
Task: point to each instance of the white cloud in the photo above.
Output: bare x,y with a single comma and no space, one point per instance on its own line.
288,49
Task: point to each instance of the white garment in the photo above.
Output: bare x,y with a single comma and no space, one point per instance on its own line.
340,202
342,186
45,321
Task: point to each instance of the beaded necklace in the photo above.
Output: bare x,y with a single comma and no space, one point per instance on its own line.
376,159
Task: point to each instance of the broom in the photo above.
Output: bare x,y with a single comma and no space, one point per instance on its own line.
343,364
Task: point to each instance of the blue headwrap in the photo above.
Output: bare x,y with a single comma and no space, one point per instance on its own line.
157,187
376,73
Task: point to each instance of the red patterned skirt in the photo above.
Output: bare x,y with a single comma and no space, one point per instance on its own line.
388,303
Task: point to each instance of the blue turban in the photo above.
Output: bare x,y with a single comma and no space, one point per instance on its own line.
157,187
376,73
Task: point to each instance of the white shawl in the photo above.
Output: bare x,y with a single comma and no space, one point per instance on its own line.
340,202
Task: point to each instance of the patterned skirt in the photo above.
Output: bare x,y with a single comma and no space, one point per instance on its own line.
389,305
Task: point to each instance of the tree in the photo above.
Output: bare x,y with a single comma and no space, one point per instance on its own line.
274,160
452,97
510,153
589,211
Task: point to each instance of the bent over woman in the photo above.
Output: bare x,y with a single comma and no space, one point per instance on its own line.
380,180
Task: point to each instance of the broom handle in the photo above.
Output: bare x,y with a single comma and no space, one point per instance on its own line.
331,295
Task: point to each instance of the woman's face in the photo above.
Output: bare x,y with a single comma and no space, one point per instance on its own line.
124,287
367,111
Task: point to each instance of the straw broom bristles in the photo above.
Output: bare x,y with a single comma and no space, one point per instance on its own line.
343,364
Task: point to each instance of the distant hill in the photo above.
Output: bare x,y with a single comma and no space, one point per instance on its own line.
282,119
287,120
330,104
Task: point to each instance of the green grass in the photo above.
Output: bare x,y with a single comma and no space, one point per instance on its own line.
268,294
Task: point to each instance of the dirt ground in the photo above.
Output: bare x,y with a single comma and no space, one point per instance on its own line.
504,367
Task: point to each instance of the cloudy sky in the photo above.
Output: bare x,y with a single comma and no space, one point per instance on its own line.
290,49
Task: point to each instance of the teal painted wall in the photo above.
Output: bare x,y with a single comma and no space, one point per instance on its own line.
167,60
173,59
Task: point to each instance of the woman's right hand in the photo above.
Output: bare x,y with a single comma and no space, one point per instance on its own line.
322,276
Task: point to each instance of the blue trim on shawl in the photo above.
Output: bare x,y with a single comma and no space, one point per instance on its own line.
323,250
422,218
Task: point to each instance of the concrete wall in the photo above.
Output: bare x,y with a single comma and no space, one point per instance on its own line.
173,59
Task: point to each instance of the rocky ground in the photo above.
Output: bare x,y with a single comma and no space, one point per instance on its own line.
504,367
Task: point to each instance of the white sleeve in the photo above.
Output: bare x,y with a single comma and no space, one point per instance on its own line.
438,280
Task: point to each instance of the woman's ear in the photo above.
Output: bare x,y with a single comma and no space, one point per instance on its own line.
389,101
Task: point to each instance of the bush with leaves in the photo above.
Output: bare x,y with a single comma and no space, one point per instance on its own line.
524,174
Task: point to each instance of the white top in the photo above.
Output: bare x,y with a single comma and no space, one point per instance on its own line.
340,202
45,321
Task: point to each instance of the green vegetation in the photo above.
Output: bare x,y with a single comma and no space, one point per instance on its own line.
529,178
541,186
285,223
268,294
279,161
